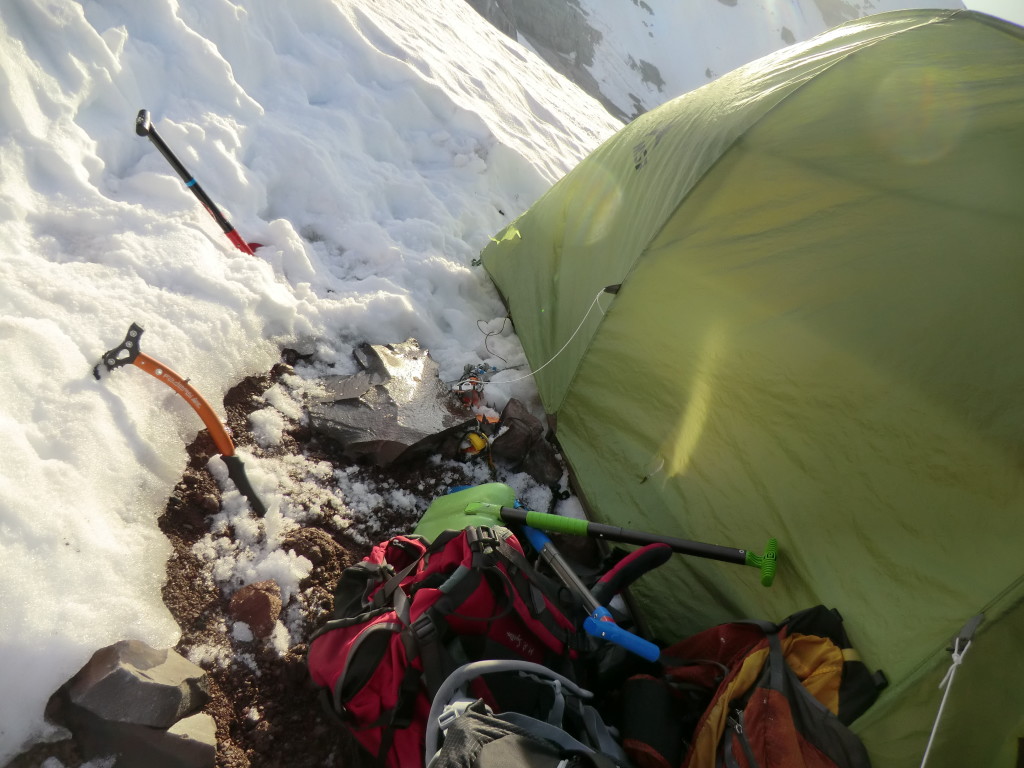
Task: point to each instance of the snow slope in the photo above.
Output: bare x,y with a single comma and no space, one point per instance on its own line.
636,54
373,146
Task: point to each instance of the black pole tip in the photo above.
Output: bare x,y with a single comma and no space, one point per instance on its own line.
142,123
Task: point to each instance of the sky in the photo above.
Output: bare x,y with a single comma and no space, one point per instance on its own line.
1010,10
372,146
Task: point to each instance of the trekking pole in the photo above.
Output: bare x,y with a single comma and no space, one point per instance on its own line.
144,127
128,353
767,563
599,622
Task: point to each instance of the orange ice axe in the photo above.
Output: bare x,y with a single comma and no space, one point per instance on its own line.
128,353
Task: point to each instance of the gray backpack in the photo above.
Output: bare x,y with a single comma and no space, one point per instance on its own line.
463,732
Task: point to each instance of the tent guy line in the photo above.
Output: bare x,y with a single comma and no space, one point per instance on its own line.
596,302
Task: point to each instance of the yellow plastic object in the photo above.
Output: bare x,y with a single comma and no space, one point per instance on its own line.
477,442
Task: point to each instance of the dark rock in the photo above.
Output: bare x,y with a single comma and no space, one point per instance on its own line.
258,605
140,704
560,33
316,545
209,504
130,682
329,558
189,743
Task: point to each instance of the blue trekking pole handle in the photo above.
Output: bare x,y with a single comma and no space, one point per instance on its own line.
599,623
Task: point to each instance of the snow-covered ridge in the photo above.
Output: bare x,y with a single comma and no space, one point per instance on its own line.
633,55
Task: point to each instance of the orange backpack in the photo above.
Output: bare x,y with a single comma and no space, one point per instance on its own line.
768,696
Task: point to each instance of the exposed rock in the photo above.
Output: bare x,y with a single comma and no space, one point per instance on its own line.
329,558
559,32
316,545
195,736
258,605
189,743
138,703
129,682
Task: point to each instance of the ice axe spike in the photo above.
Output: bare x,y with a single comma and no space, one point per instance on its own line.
766,563
144,127
128,353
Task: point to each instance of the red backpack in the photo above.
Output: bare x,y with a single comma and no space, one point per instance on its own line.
412,612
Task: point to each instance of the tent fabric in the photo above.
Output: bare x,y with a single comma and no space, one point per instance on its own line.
817,337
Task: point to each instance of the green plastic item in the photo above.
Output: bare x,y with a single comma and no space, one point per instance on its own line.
449,512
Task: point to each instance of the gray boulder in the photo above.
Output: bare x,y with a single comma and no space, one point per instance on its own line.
189,743
140,704
129,682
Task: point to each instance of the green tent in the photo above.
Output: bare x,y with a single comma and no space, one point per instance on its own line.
819,336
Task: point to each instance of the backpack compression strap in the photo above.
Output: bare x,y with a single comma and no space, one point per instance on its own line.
424,636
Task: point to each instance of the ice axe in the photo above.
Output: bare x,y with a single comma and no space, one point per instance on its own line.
128,353
767,562
144,127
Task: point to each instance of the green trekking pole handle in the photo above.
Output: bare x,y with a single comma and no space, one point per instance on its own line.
767,563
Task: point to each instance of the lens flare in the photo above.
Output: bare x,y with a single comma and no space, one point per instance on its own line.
926,126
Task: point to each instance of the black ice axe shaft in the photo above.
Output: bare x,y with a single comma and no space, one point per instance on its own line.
766,563
144,127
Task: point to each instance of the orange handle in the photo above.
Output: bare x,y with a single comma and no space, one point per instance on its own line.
217,430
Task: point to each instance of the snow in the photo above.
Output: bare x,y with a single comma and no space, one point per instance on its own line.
372,146
650,51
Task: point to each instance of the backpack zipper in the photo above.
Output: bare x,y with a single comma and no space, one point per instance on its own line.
735,721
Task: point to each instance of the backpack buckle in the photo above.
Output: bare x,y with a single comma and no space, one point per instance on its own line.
424,629
481,539
452,712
